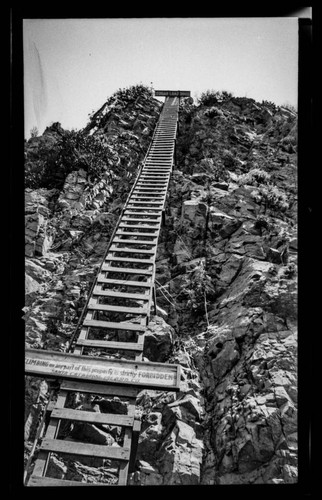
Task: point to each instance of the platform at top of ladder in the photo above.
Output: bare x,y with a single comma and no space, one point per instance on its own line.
172,93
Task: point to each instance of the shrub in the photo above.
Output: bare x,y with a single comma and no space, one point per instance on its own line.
271,196
201,290
131,93
256,175
262,222
269,104
34,132
212,97
229,160
72,151
213,111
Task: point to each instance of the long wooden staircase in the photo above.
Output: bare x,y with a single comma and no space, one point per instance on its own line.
105,356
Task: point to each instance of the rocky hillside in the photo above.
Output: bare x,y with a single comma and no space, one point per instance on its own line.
226,280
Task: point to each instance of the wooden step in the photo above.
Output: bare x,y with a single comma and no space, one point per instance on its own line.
153,218
152,178
143,211
147,183
136,233
131,250
164,169
111,325
131,260
122,309
167,143
151,184
99,388
144,206
155,196
126,270
143,180
144,284
151,190
92,416
147,203
138,226
157,171
159,156
85,449
135,242
164,166
159,163
157,220
121,295
106,344
52,481
156,175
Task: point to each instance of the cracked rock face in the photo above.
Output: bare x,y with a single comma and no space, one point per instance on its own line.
226,285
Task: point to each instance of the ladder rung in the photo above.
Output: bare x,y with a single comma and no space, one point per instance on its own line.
93,417
130,250
138,226
136,233
158,197
144,284
126,270
147,204
105,344
85,449
151,184
144,212
123,309
133,327
135,242
161,191
150,195
137,197
153,177
96,388
155,192
155,221
121,295
53,481
129,259
148,181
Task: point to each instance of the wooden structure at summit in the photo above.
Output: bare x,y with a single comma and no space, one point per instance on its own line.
114,321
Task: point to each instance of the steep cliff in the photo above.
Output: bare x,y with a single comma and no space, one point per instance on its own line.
226,279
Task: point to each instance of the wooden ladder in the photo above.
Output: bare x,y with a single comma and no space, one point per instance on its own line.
119,306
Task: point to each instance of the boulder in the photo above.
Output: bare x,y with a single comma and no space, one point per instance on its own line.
158,340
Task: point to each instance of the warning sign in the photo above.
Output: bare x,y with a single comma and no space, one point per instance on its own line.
61,365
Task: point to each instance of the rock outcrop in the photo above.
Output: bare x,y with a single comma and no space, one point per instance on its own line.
226,284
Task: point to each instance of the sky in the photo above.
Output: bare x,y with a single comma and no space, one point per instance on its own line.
71,66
